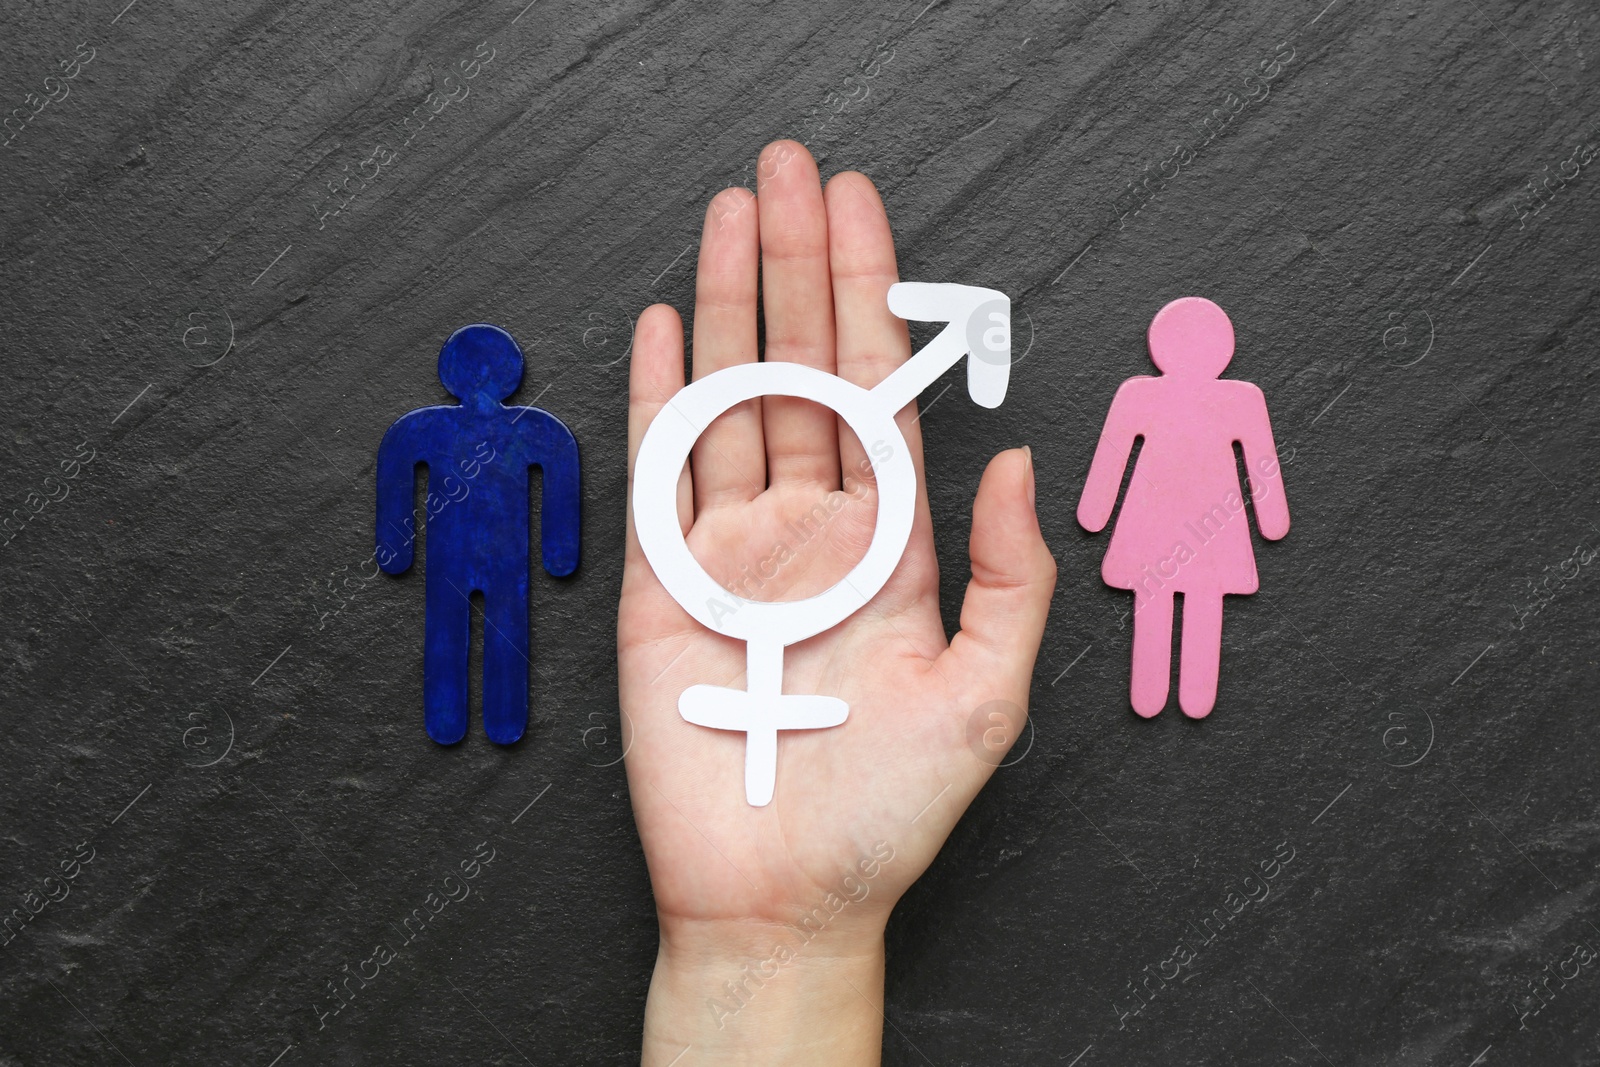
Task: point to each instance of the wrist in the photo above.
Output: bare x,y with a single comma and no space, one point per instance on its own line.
767,992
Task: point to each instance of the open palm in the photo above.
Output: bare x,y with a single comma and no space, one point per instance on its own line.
778,503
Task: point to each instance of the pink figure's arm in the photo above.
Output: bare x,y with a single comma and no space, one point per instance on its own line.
1261,467
1110,460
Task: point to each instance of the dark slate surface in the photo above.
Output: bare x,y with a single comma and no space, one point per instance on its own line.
203,694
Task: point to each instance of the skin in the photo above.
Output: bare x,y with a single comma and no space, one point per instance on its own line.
732,882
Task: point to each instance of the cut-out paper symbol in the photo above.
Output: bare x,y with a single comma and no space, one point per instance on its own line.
478,454
1182,528
978,321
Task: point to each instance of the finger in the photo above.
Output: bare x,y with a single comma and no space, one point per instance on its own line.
730,462
655,375
1013,577
870,340
801,437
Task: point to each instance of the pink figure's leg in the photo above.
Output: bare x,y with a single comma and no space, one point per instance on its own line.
1152,653
1201,658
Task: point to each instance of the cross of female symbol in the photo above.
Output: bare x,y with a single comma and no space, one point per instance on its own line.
978,321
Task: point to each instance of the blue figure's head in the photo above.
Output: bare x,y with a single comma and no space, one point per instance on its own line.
480,364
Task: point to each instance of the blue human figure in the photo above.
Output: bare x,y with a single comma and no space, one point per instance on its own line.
479,454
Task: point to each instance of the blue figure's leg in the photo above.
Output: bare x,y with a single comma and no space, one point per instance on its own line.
505,661
444,658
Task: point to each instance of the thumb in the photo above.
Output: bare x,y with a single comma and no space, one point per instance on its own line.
1013,577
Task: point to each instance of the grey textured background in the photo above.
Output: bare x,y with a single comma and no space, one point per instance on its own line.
200,688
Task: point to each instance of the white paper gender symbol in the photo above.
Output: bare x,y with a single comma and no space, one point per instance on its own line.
979,322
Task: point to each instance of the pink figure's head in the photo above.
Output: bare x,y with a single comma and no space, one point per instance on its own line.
1192,338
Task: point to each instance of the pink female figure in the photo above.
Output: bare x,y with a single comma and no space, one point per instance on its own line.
1183,527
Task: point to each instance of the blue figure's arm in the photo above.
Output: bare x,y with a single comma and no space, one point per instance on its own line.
555,451
397,482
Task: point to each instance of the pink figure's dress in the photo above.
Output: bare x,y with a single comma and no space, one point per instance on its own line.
1183,521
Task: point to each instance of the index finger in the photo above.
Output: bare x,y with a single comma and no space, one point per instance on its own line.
871,341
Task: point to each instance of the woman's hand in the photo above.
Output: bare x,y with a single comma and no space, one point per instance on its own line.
772,918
